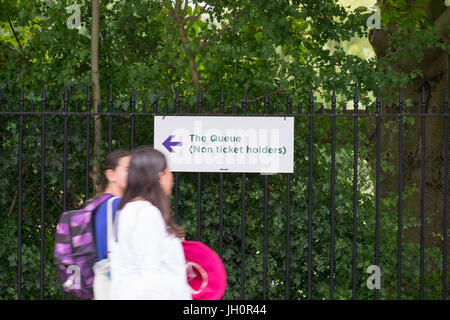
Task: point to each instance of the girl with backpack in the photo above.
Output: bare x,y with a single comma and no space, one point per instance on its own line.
116,173
82,236
147,259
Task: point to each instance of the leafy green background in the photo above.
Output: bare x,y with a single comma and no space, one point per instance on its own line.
308,44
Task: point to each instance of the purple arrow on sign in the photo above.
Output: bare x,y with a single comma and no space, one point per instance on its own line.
169,144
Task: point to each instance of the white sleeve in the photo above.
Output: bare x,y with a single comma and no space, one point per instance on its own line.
149,232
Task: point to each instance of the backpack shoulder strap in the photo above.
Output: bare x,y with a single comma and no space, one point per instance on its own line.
94,203
109,220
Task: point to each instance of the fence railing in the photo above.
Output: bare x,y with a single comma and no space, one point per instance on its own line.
77,125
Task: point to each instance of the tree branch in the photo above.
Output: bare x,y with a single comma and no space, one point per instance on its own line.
11,207
186,4
177,8
15,35
192,18
168,5
24,58
442,24
179,23
379,40
195,18
205,44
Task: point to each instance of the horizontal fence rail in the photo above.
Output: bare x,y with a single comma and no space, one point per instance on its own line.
297,225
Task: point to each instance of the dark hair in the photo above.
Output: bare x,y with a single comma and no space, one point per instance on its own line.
111,163
143,181
112,159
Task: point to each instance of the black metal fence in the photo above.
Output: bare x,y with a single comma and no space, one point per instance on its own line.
14,121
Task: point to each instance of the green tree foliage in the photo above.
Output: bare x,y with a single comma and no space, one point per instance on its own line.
257,45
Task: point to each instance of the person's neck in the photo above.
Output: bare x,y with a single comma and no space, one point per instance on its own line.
114,190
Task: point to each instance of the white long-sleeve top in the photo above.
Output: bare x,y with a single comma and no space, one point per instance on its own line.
146,261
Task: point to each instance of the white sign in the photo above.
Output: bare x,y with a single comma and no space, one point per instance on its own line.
374,21
74,21
226,144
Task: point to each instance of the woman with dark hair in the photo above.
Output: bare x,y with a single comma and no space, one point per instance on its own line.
147,259
116,172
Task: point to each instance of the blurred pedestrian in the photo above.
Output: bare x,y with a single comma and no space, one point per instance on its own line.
116,173
147,258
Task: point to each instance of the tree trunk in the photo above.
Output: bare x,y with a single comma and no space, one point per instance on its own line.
179,21
192,65
434,66
95,75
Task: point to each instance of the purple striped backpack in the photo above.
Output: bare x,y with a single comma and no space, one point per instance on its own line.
75,249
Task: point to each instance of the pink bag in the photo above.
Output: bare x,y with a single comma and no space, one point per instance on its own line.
205,271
